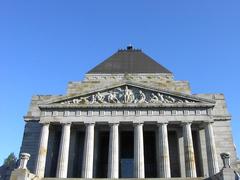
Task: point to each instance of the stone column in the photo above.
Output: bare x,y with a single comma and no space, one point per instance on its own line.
213,167
139,171
164,160
181,153
42,154
62,166
189,151
113,152
87,169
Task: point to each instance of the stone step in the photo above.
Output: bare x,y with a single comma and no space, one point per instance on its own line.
199,178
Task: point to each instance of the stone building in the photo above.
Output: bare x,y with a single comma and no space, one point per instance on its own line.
127,118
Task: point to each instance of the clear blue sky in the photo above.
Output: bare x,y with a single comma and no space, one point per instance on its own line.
45,44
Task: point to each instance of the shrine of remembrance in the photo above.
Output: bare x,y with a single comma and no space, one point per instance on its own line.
128,118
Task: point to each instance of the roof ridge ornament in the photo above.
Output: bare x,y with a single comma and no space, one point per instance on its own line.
129,47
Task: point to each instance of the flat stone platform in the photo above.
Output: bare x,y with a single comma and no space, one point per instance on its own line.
199,178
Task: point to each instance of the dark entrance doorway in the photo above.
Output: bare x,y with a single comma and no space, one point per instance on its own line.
102,162
126,154
78,154
150,154
53,150
197,153
173,152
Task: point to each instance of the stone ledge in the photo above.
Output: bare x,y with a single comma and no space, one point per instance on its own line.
199,178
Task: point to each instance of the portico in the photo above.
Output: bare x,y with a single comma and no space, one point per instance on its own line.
117,146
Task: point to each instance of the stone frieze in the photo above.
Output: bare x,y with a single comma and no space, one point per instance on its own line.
126,95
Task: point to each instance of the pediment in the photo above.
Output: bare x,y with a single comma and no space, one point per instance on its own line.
130,94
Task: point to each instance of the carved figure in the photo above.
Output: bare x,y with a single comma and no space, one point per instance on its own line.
191,101
99,98
112,98
161,98
171,99
84,100
128,95
179,101
76,101
154,98
93,99
142,97
187,101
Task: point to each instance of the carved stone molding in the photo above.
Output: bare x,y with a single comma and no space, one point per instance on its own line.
119,112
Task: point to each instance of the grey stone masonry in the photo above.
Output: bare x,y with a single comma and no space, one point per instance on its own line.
224,141
30,142
165,81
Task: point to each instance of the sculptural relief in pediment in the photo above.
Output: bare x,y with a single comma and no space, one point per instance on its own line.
125,95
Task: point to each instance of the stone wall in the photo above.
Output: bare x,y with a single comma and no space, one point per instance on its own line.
162,81
224,140
222,127
30,142
34,112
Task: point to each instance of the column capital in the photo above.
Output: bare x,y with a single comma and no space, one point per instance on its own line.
159,123
89,123
66,123
138,123
186,123
113,123
209,122
44,123
204,124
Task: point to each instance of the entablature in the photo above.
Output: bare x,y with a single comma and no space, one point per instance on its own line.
126,115
127,119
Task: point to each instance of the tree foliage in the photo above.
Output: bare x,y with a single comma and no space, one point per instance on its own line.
10,160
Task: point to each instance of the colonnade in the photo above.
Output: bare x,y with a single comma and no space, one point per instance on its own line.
163,161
